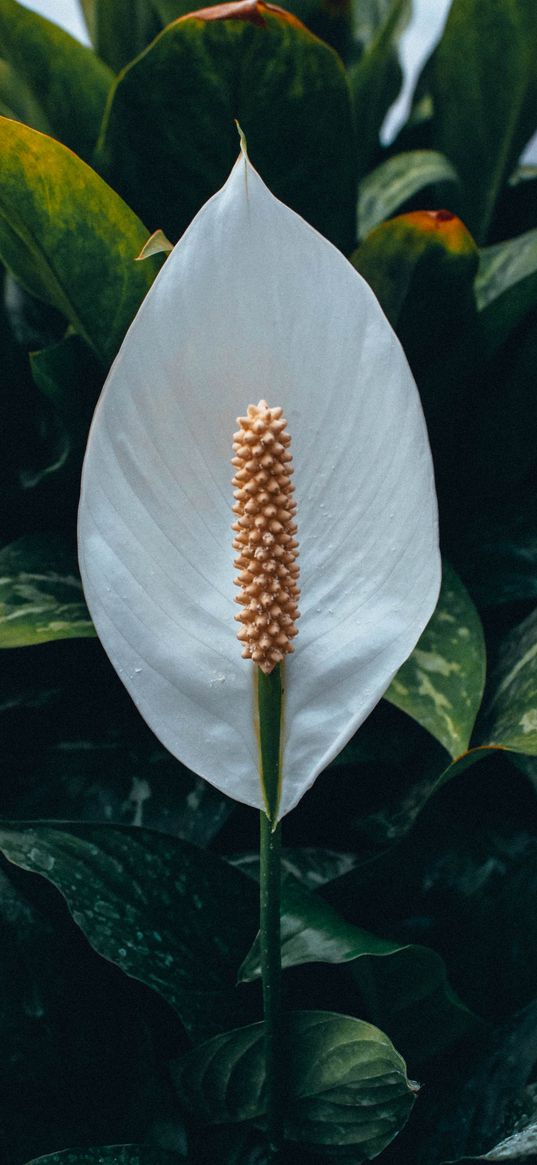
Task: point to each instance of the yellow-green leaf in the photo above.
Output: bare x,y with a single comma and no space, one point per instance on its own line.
441,684
69,238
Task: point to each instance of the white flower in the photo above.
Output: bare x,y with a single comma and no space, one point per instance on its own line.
253,303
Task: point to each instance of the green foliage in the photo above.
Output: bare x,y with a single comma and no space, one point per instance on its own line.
405,986
480,124
392,184
287,90
69,238
442,683
408,901
110,1155
348,1085
375,79
511,716
40,594
120,31
68,83
165,912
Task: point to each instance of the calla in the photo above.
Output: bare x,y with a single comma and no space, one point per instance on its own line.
253,303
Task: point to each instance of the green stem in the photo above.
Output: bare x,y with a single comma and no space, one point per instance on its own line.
269,703
270,877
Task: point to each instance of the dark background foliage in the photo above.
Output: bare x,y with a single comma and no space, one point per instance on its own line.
410,869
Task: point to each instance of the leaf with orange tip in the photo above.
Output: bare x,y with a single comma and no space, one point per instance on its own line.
247,61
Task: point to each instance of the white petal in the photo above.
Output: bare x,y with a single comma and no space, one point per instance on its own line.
254,303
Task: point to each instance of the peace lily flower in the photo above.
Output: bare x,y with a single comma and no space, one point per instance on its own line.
253,305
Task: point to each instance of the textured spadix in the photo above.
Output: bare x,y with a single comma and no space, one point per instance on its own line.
253,303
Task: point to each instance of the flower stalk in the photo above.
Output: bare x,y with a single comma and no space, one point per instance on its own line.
270,942
269,703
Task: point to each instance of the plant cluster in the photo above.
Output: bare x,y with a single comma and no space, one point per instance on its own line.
130,964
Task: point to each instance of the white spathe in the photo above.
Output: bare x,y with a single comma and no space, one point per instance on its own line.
254,303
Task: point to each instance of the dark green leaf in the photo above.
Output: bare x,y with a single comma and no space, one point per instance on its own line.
515,211
70,378
511,715
376,79
519,1147
67,81
394,182
441,684
17,101
69,238
110,1155
175,917
347,1083
498,555
311,866
120,30
483,79
500,432
405,987
40,593
478,1111
330,20
395,819
421,267
506,286
289,93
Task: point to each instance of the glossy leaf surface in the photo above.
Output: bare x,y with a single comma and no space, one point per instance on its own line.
480,124
69,238
511,717
155,539
348,1084
40,593
405,985
386,188
376,79
506,286
165,912
441,684
407,259
121,30
110,1155
286,88
520,1147
67,81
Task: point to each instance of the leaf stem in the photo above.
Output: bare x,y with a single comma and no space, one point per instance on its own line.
270,879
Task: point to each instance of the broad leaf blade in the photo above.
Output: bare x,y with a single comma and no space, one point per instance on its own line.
511,717
506,286
69,238
441,684
520,1147
169,914
120,30
376,79
286,88
68,82
406,985
41,595
347,1083
390,185
110,1155
482,125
